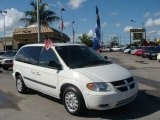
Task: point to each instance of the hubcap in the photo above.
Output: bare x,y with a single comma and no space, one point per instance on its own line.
19,85
71,101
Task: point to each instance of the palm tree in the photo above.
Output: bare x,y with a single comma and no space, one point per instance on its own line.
86,39
46,16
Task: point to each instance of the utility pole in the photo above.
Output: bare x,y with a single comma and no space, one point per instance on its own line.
132,22
61,26
4,13
73,30
38,22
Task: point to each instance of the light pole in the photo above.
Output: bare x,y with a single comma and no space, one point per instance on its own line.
38,22
132,22
73,30
61,26
4,13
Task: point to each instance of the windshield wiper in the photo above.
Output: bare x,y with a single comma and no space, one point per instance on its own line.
96,62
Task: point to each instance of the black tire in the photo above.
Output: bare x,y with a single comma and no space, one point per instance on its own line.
73,96
5,68
21,87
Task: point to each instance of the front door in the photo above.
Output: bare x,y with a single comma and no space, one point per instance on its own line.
47,73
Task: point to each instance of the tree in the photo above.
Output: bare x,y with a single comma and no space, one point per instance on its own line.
114,43
46,16
158,41
86,39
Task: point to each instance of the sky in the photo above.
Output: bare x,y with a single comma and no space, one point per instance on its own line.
116,17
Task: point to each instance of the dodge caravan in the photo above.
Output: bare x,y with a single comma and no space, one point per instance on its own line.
74,73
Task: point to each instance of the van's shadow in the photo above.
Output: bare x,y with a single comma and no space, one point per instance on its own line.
142,106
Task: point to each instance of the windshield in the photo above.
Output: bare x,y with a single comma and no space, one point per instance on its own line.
80,56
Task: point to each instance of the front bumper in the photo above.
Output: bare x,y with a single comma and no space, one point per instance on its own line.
109,100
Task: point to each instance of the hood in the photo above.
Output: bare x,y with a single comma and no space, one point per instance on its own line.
105,73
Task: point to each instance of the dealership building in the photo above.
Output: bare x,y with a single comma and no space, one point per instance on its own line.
23,36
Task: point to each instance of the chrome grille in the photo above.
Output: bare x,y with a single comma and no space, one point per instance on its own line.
124,85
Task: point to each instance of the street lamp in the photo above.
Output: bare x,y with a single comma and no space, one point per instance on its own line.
38,22
73,30
132,22
4,13
61,26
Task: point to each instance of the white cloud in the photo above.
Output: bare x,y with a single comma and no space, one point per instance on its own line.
127,28
67,24
74,4
118,24
113,13
11,19
152,32
59,4
147,14
158,32
150,22
104,24
91,33
157,13
84,19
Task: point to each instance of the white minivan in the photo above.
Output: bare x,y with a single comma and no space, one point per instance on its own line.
74,73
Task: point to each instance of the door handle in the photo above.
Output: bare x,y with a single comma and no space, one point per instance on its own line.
38,73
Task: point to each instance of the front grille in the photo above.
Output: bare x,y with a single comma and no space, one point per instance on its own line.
8,61
124,85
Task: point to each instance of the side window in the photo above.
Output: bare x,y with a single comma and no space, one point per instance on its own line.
29,54
48,59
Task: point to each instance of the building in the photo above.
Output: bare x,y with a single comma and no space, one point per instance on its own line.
8,43
23,36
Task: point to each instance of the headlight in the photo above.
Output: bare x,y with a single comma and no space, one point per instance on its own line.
98,87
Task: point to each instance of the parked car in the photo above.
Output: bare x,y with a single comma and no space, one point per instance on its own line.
104,49
74,73
146,51
158,57
128,50
115,49
153,54
1,53
4,55
7,62
135,49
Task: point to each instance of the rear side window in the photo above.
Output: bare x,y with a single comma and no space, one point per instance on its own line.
29,54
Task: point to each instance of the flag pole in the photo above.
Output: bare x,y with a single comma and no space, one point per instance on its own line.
38,22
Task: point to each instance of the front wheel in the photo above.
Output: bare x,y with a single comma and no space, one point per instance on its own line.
21,88
73,101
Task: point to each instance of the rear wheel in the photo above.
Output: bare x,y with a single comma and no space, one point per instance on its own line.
21,88
73,101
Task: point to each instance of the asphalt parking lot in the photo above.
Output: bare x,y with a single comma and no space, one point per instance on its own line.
37,106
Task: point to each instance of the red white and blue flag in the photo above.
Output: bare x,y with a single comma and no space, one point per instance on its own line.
48,44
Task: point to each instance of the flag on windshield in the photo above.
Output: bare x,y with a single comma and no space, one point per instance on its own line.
48,44
97,37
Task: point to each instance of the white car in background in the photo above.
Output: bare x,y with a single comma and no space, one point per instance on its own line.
158,57
115,49
126,51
